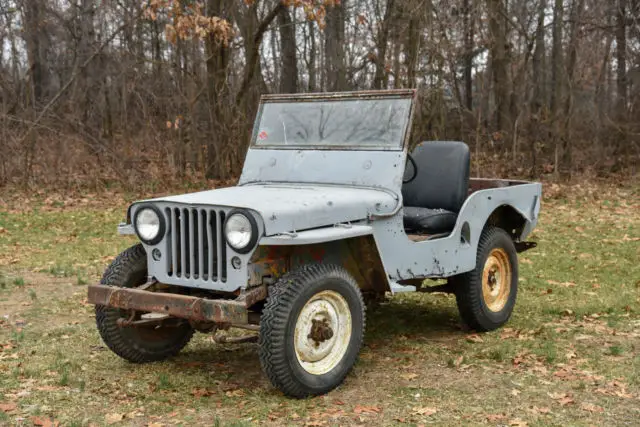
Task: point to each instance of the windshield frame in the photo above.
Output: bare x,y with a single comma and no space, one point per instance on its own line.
409,94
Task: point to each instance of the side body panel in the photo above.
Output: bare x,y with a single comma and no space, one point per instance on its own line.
405,259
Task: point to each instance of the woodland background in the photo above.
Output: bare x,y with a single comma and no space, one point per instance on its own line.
97,93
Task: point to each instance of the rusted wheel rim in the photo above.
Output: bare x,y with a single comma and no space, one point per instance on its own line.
496,280
322,332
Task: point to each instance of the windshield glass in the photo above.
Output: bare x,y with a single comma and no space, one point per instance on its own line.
341,124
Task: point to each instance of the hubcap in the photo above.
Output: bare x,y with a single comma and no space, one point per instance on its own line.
322,332
496,280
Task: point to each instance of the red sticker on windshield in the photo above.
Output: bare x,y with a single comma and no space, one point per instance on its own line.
263,135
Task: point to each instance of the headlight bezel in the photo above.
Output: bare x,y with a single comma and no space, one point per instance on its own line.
254,231
162,229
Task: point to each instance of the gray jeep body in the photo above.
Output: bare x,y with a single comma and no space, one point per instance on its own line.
333,204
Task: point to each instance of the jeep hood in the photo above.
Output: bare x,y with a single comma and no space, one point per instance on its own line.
290,207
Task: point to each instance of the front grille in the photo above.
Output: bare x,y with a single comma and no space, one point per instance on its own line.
197,249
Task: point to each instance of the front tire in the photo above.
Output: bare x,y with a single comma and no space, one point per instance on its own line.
311,330
137,345
487,294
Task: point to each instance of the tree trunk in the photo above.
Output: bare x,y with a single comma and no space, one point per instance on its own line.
218,94
381,78
539,82
336,75
253,78
557,61
88,74
312,57
37,47
413,47
499,63
621,57
468,23
289,75
576,14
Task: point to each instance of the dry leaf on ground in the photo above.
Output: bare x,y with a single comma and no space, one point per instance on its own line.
495,417
409,377
44,422
590,407
424,411
8,407
114,418
366,409
474,338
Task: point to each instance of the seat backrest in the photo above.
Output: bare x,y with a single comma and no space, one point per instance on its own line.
442,180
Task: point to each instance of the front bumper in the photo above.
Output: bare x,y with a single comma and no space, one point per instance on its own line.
182,306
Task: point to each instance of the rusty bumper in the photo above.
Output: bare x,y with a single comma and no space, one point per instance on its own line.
182,306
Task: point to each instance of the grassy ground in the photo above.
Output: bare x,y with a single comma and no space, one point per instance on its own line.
569,356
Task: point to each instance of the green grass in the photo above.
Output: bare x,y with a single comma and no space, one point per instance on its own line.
573,336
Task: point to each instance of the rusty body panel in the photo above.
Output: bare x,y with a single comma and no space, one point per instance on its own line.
182,306
357,255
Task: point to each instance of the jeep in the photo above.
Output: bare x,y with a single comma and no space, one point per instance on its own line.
331,211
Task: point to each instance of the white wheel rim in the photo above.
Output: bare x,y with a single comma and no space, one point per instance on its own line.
323,332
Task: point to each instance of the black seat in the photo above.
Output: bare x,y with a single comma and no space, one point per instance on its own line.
434,198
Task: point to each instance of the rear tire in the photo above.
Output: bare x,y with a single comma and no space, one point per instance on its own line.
487,294
137,345
311,330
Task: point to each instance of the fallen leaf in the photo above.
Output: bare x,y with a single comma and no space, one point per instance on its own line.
425,411
366,410
235,393
590,407
8,407
562,398
44,422
571,355
495,417
543,410
474,338
201,392
563,284
581,337
566,401
409,377
155,425
114,418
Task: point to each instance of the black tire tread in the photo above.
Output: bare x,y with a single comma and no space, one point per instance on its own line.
274,319
118,274
469,285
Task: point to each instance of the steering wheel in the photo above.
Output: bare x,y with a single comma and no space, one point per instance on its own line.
407,173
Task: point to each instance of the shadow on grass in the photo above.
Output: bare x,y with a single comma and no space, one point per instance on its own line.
416,319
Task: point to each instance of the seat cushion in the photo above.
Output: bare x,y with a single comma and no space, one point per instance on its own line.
429,221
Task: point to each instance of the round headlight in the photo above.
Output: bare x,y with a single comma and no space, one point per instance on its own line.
149,225
240,231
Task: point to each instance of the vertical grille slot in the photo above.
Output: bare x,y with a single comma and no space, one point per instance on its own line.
170,242
203,243
222,252
196,245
